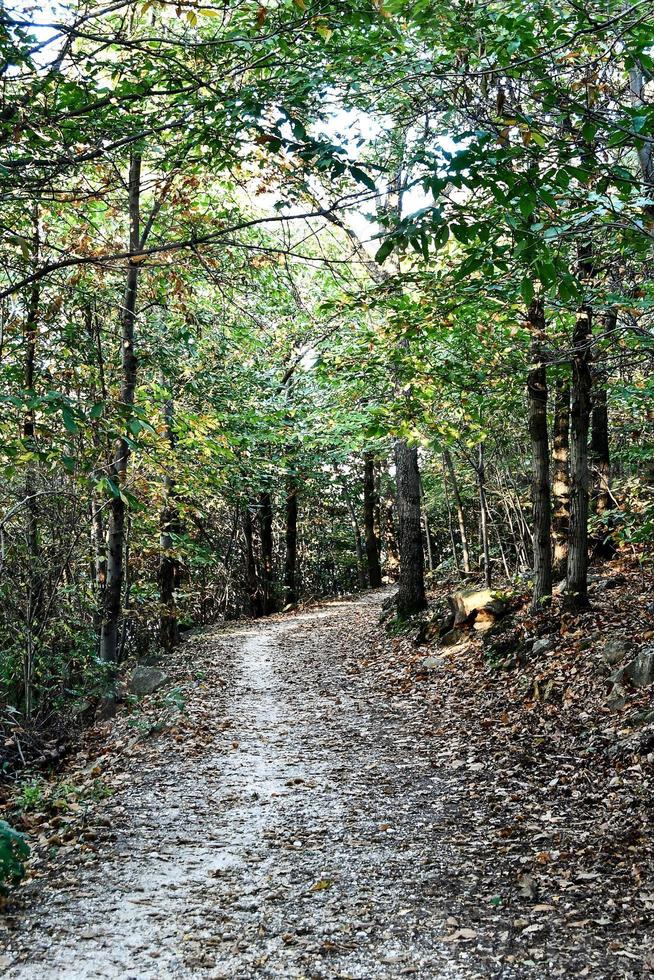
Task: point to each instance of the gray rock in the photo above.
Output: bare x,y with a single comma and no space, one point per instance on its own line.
641,670
431,663
146,680
542,645
615,650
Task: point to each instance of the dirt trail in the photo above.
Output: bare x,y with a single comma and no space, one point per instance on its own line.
303,839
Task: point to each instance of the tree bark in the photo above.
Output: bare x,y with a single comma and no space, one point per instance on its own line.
450,523
168,562
577,577
561,478
252,579
35,584
465,548
268,603
483,515
290,561
362,576
599,443
116,524
540,461
370,503
411,594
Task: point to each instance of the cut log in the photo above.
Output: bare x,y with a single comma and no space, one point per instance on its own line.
465,604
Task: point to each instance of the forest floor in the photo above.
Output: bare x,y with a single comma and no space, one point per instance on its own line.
308,799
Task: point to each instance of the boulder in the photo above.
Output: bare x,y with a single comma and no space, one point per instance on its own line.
641,669
465,604
146,680
615,650
542,645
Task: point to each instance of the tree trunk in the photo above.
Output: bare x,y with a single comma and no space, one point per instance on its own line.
465,549
118,469
369,506
35,585
266,532
540,461
483,515
362,577
577,577
290,562
450,524
168,562
390,537
561,478
411,594
252,579
600,448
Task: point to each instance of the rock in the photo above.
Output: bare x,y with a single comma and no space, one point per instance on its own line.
430,664
641,670
466,603
146,680
615,650
542,645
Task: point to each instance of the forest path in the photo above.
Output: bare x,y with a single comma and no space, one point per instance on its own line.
298,833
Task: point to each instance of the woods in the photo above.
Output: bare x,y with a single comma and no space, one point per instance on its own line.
211,379
301,298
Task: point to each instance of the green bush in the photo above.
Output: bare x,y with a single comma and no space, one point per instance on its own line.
14,851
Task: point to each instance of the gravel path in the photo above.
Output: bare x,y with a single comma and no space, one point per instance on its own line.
295,831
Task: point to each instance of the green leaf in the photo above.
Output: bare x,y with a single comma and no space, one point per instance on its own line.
69,420
527,290
384,250
363,178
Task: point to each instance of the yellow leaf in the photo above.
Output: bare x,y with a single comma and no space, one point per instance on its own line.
321,885
209,12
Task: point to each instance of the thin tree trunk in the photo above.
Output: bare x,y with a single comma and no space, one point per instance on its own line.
168,563
483,515
392,552
411,594
266,533
118,469
577,577
362,577
561,478
540,486
34,588
425,520
290,561
465,548
600,447
253,587
370,504
450,524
